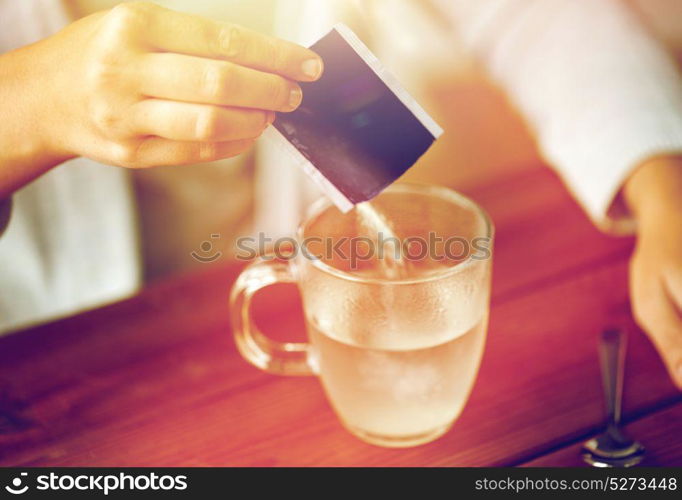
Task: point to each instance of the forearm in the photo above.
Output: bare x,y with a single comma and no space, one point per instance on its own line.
26,149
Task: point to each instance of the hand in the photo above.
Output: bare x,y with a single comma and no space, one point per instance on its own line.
140,86
654,195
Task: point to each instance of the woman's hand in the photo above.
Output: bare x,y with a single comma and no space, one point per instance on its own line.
654,195
140,86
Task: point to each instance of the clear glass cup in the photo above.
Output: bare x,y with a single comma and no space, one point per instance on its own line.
396,342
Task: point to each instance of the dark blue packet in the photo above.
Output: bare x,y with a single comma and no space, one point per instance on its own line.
357,130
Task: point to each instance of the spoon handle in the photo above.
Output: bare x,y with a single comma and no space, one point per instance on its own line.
612,358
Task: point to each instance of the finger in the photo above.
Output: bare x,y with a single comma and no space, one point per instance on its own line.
157,151
193,79
183,33
660,318
182,121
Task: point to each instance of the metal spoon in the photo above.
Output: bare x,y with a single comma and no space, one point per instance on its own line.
612,448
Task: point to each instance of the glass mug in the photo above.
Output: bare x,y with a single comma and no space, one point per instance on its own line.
396,341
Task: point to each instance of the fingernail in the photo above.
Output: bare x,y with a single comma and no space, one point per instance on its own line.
312,68
295,98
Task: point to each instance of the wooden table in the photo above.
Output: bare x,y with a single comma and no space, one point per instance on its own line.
156,380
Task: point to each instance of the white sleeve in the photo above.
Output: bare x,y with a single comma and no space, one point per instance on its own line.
598,90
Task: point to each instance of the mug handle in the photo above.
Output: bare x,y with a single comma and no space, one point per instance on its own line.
281,358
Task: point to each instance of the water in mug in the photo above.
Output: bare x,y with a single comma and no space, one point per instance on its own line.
397,363
399,393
